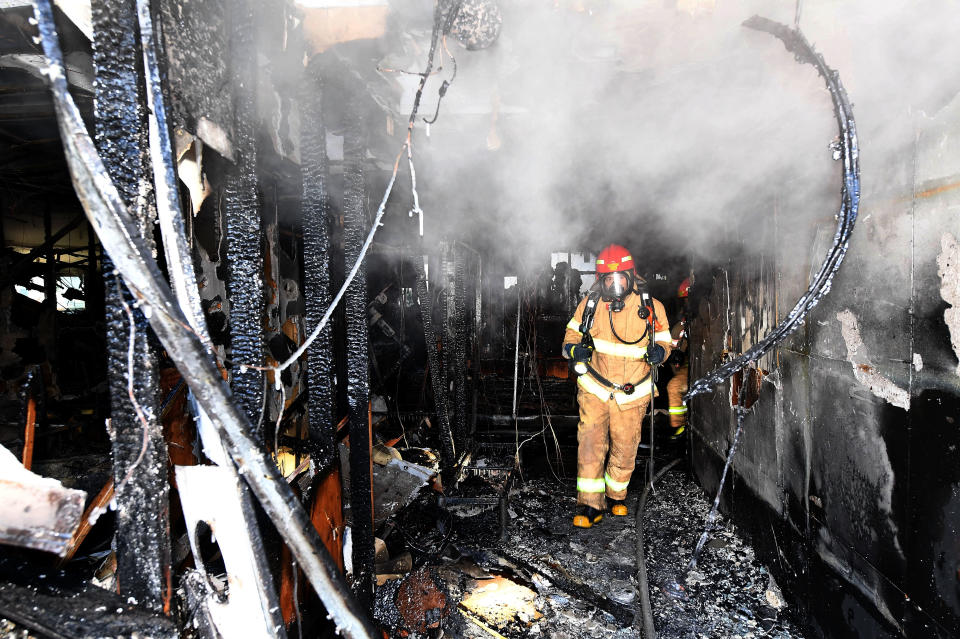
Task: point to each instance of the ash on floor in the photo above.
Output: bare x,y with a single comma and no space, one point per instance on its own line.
728,594
545,578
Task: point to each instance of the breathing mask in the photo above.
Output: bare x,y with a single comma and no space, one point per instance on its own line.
614,288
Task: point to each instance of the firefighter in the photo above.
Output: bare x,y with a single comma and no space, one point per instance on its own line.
609,344
680,366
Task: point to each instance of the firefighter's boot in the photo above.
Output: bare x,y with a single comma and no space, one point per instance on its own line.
587,516
618,507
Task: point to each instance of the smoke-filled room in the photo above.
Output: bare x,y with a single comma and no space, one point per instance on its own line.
473,319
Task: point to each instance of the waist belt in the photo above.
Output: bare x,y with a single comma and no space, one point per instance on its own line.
627,388
595,383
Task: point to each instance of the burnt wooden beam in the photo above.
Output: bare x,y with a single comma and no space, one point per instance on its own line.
358,385
244,229
116,227
66,612
139,452
316,267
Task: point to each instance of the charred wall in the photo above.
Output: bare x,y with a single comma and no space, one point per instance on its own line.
847,474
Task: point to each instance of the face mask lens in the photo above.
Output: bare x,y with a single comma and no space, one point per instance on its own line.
619,285
615,286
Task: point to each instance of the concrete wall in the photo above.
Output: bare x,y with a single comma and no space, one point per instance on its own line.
848,475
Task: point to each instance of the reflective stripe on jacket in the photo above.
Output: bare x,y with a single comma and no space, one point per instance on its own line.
613,359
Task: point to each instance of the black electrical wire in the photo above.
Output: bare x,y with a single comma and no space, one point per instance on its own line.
447,25
797,44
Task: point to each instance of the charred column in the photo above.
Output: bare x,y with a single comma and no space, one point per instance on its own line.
244,246
437,377
358,391
316,267
139,454
460,343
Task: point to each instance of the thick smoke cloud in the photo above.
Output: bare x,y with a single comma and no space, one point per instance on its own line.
672,130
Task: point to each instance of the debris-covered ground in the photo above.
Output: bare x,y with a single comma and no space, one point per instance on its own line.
545,578
729,594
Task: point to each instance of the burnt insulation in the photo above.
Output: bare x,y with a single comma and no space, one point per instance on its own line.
358,390
797,44
460,343
142,524
244,246
316,268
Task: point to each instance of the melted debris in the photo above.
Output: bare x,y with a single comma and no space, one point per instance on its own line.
562,582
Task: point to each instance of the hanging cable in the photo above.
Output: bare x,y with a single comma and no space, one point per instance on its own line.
446,84
406,148
797,44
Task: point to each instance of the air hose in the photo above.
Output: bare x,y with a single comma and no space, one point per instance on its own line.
646,611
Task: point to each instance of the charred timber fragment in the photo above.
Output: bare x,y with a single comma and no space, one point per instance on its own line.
796,43
358,391
117,229
139,452
36,512
316,268
563,580
244,246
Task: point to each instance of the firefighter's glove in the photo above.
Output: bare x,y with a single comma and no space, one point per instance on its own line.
656,354
579,353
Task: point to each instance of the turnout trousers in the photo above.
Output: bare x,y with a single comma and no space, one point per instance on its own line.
608,437
676,388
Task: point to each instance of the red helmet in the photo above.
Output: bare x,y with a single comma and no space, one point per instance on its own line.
612,259
615,259
684,289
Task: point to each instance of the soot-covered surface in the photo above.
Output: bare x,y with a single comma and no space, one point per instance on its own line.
582,583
